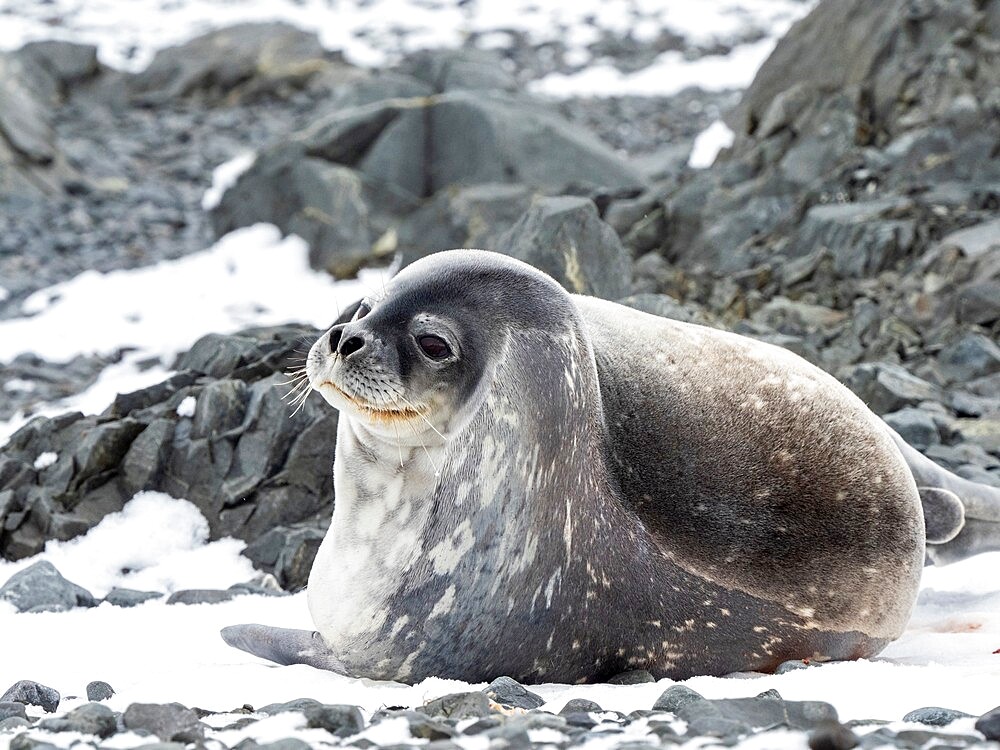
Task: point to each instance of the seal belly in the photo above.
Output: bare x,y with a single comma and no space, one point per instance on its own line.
759,472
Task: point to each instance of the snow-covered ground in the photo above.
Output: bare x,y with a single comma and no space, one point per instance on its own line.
160,653
374,32
251,277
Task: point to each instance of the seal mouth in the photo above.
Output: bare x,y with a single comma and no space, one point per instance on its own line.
376,413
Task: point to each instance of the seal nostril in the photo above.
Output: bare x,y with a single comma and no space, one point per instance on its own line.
334,338
351,345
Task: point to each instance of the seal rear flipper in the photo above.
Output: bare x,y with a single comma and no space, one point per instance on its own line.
977,526
944,514
283,646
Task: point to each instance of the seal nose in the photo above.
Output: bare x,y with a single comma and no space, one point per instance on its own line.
334,337
353,344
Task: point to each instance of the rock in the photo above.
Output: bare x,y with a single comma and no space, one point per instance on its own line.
459,70
971,356
979,303
473,216
793,665
299,704
338,720
67,62
10,709
129,598
32,694
243,60
989,724
635,677
567,239
578,706
287,553
171,722
983,432
201,596
676,697
935,716
797,318
659,304
321,202
888,388
975,241
99,691
41,588
90,718
832,736
509,692
734,716
915,426
458,706
858,237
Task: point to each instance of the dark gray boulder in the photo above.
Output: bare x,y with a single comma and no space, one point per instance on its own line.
676,697
510,692
566,238
467,69
171,722
242,458
989,724
287,553
90,718
41,588
119,597
238,62
887,388
32,694
916,426
338,720
462,217
971,356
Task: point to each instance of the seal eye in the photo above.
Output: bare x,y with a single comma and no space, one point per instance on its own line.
434,347
363,310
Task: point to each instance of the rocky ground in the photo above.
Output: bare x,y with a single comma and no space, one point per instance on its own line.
503,714
855,220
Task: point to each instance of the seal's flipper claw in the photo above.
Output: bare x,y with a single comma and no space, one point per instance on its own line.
283,645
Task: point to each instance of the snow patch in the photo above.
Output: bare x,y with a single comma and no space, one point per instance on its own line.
155,543
187,406
45,460
709,143
224,177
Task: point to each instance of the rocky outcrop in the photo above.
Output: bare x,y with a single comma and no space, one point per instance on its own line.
217,433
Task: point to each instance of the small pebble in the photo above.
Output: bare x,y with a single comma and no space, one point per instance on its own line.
579,705
635,677
675,698
935,716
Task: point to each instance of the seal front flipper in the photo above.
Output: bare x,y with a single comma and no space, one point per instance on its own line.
283,646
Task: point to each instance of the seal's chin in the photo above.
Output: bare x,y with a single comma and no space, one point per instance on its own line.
340,398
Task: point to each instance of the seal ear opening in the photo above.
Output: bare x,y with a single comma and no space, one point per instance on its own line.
944,514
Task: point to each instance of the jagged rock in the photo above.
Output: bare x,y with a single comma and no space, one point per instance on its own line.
287,553
975,241
861,240
971,356
32,694
459,69
244,60
509,692
915,426
90,718
458,706
41,588
472,217
566,238
886,388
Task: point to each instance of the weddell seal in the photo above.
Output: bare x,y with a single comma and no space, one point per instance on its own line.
560,489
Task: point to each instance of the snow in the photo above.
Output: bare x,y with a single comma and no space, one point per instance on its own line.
376,32
224,177
187,406
250,277
709,143
45,460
